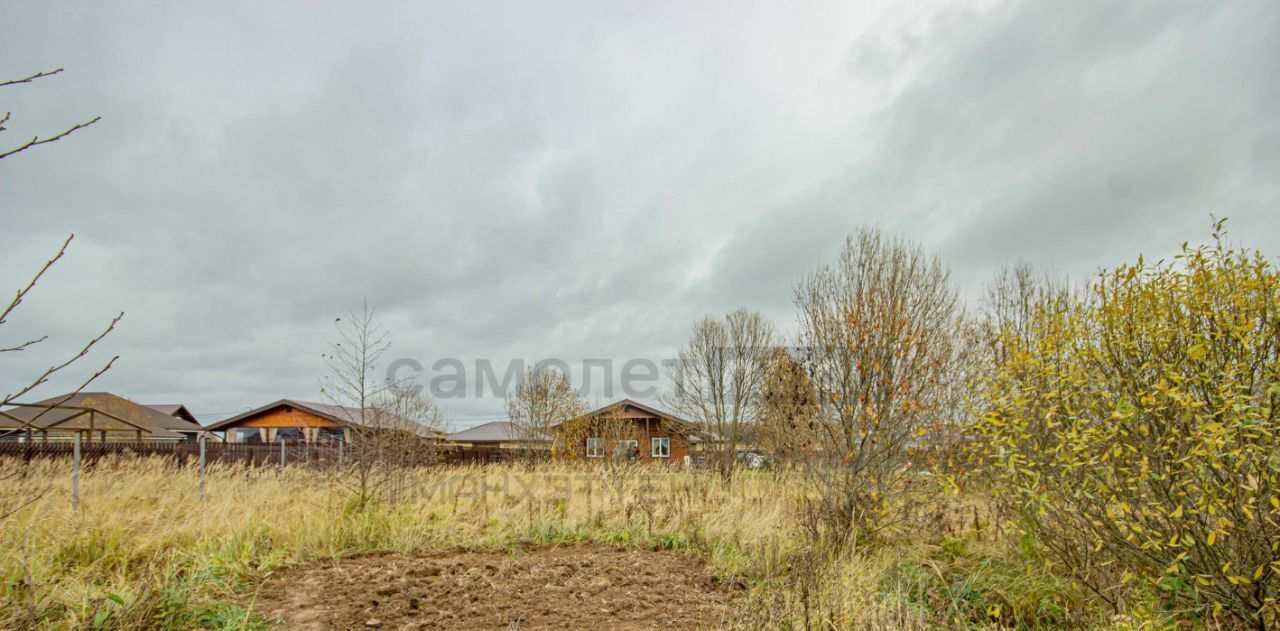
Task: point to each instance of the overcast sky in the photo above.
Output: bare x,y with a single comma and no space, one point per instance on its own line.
583,180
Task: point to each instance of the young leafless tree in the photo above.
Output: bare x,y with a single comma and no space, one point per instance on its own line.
718,380
380,440
880,344
23,389
543,400
14,393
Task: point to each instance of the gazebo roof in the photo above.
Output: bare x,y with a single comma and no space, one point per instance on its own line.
91,411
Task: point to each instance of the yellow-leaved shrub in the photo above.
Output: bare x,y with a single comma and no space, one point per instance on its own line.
1133,427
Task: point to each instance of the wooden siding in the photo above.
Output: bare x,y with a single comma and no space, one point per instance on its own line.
284,417
644,428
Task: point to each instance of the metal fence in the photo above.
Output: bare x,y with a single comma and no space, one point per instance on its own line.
290,454
202,453
181,453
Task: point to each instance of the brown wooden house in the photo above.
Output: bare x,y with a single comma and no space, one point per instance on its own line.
303,421
631,432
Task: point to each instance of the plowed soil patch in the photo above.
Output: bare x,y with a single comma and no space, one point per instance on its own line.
577,587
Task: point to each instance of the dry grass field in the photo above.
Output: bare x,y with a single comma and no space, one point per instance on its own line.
289,549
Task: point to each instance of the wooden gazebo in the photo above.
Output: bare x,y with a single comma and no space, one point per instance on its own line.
90,415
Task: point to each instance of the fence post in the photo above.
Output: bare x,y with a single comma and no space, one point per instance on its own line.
75,474
202,468
282,453
341,444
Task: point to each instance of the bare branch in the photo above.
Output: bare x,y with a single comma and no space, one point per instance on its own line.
24,345
38,75
49,372
39,141
31,423
17,300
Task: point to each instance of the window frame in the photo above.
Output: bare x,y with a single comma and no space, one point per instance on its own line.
653,447
599,447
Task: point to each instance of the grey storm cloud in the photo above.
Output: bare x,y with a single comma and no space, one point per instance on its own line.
551,180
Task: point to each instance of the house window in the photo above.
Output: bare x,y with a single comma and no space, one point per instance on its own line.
595,447
661,447
627,449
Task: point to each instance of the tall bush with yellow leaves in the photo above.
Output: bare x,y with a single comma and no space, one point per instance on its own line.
1134,427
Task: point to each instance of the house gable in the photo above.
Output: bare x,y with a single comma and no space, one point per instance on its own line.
286,416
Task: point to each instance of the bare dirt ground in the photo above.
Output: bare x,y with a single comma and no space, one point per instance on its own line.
575,587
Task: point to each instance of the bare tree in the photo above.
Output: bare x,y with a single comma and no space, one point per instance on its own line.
26,387
1009,308
718,380
23,389
543,400
879,342
379,439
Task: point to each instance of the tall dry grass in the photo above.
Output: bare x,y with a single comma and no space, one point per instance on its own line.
141,529
144,552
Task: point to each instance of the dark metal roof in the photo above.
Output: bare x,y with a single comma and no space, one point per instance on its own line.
491,432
